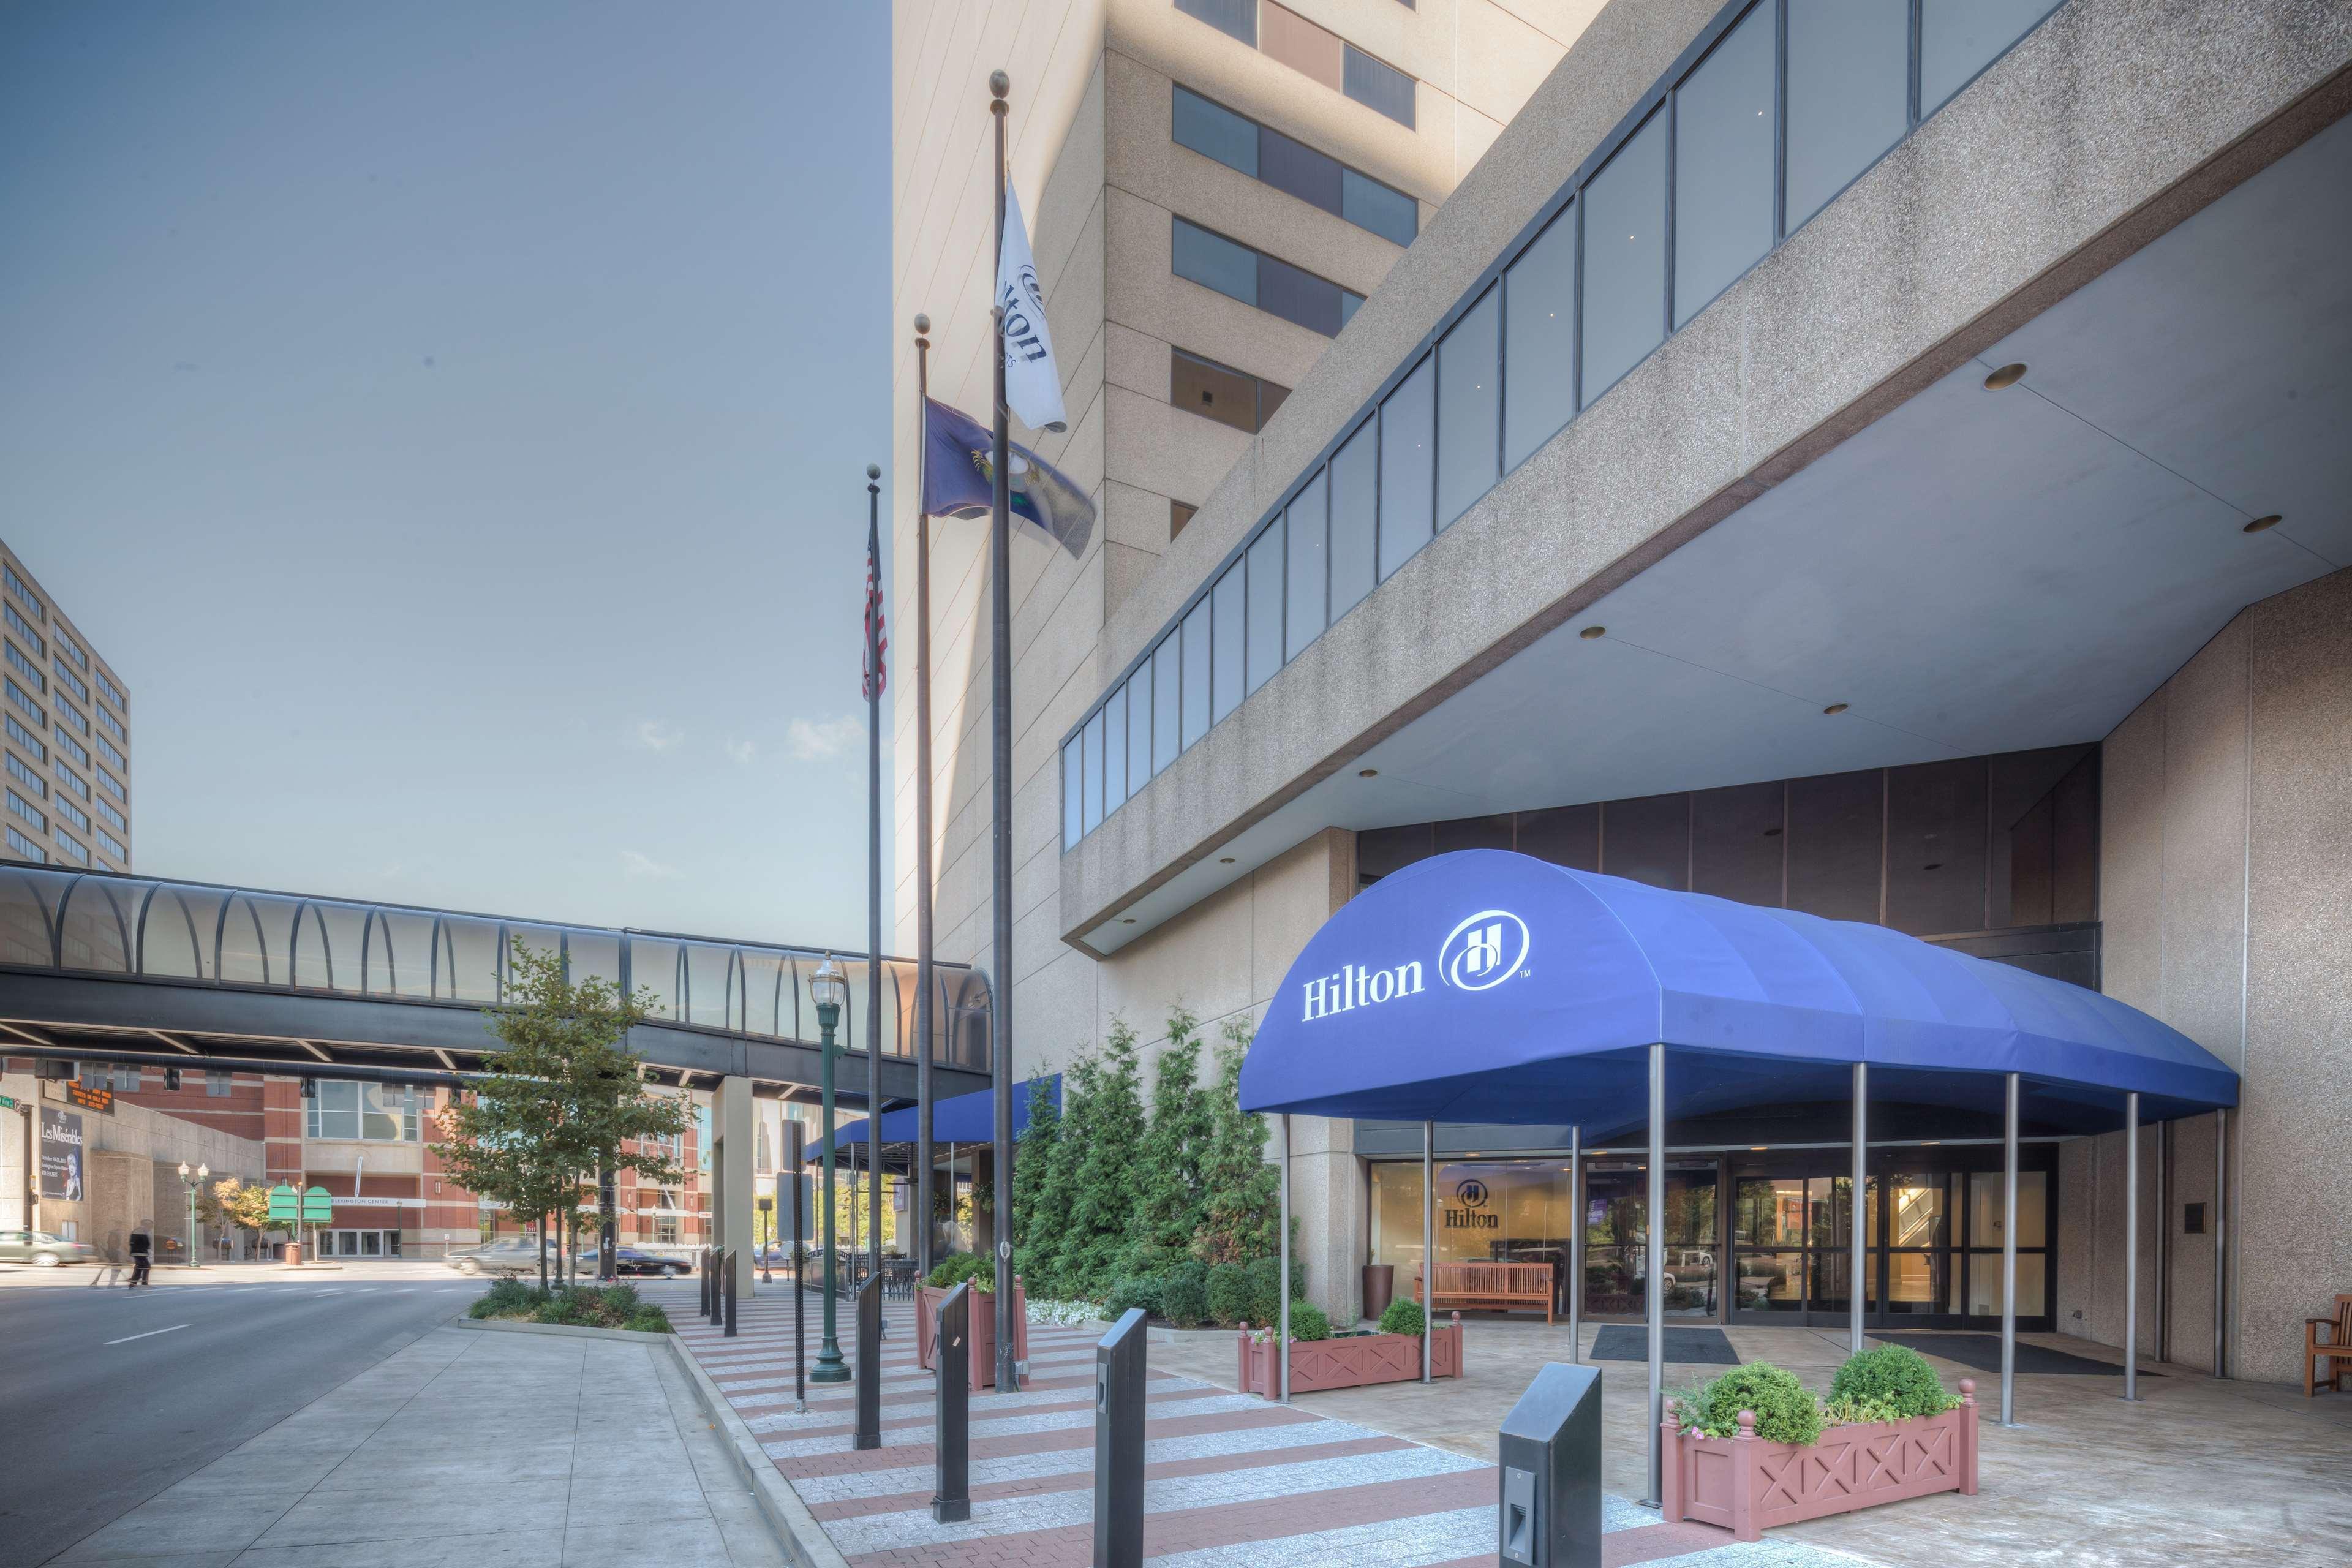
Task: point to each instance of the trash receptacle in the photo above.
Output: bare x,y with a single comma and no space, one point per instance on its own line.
1379,1288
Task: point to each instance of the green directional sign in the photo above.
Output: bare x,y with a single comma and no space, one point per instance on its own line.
7,1102
284,1203
317,1206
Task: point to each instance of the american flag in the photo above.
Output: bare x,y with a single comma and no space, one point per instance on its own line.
877,639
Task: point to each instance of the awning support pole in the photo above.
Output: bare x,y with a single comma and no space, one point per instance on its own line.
1428,1246
2009,1258
2220,1240
1860,1209
1284,1320
2131,1245
1654,1298
1575,1243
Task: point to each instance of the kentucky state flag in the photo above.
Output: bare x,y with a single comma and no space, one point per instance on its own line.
959,480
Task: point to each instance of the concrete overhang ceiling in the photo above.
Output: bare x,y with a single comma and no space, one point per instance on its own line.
1980,570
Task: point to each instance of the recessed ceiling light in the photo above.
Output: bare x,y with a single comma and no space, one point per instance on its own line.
1771,832
1367,772
2007,375
1589,633
2260,523
1835,707
1127,920
1224,859
1932,865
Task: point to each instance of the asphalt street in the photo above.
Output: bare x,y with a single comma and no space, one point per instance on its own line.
107,1396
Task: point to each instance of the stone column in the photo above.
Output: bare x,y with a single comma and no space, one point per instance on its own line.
732,1186
1327,1197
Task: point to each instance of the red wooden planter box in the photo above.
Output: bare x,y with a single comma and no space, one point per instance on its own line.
1746,1485
1352,1362
984,1330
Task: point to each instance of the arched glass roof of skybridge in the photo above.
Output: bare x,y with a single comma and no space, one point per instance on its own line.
97,924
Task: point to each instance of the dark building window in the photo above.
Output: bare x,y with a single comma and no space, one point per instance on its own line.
1647,840
1378,86
1254,278
1836,845
1739,841
1264,153
1237,18
2045,846
1221,393
1566,836
1936,847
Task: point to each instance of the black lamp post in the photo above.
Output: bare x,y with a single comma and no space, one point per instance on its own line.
829,988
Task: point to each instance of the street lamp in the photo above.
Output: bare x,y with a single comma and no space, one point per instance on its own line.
203,1173
829,988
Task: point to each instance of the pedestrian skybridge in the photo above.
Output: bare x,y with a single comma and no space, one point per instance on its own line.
141,969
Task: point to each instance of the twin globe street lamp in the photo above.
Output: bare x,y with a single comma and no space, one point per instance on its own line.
829,988
203,1174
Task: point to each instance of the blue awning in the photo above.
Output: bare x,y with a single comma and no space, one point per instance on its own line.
1486,987
966,1119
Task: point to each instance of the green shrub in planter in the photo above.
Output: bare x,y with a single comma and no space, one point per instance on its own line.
647,1321
1785,1412
1403,1317
1307,1321
960,1267
1266,1287
1228,1291
1892,1377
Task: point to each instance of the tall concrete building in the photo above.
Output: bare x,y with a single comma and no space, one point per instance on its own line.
68,740
1880,464
1212,187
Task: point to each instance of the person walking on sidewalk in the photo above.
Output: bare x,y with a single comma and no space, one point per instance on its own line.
142,1259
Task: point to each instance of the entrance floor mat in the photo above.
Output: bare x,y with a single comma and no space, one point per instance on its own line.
1701,1347
1983,1352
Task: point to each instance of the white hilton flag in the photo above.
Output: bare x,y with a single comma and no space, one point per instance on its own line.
1033,386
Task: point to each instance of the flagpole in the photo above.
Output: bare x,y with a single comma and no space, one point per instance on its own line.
874,678
999,651
925,978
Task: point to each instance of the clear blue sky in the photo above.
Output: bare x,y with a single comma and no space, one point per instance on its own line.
452,421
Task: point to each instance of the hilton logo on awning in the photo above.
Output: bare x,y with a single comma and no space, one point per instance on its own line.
1476,956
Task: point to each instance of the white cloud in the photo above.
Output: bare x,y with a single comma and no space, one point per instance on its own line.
655,736
825,738
633,864
741,752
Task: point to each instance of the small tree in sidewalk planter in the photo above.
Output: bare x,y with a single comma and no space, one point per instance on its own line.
1170,1197
1103,1198
1041,1205
565,1098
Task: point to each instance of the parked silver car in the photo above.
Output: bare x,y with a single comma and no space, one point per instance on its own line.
42,1251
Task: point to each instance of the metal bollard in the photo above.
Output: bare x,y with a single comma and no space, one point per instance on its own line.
1551,1504
869,1365
1118,1444
951,1410
712,1308
726,1285
703,1282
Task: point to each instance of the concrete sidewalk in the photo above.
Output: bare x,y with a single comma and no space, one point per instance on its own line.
520,1450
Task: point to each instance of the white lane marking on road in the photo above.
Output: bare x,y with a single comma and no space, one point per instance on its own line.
148,1335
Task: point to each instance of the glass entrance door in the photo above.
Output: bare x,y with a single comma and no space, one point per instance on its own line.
1617,1240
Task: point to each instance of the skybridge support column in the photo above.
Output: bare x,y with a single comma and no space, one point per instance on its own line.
2131,1245
1654,1299
1575,1242
733,1189
1855,1292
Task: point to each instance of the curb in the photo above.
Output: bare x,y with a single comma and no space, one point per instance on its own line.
567,1331
803,1540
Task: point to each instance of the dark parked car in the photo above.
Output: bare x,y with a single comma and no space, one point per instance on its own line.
629,1261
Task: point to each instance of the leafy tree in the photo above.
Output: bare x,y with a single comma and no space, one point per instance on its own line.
565,1098
1102,1199
1169,1204
231,1203
1049,1273
1040,1206
1241,1215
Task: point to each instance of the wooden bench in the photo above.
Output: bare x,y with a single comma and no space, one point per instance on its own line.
2333,1351
1498,1287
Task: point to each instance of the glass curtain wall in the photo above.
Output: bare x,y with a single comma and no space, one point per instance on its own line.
1789,103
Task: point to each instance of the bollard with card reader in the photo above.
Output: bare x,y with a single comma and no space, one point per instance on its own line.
1550,1510
869,1365
952,1414
1118,1444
